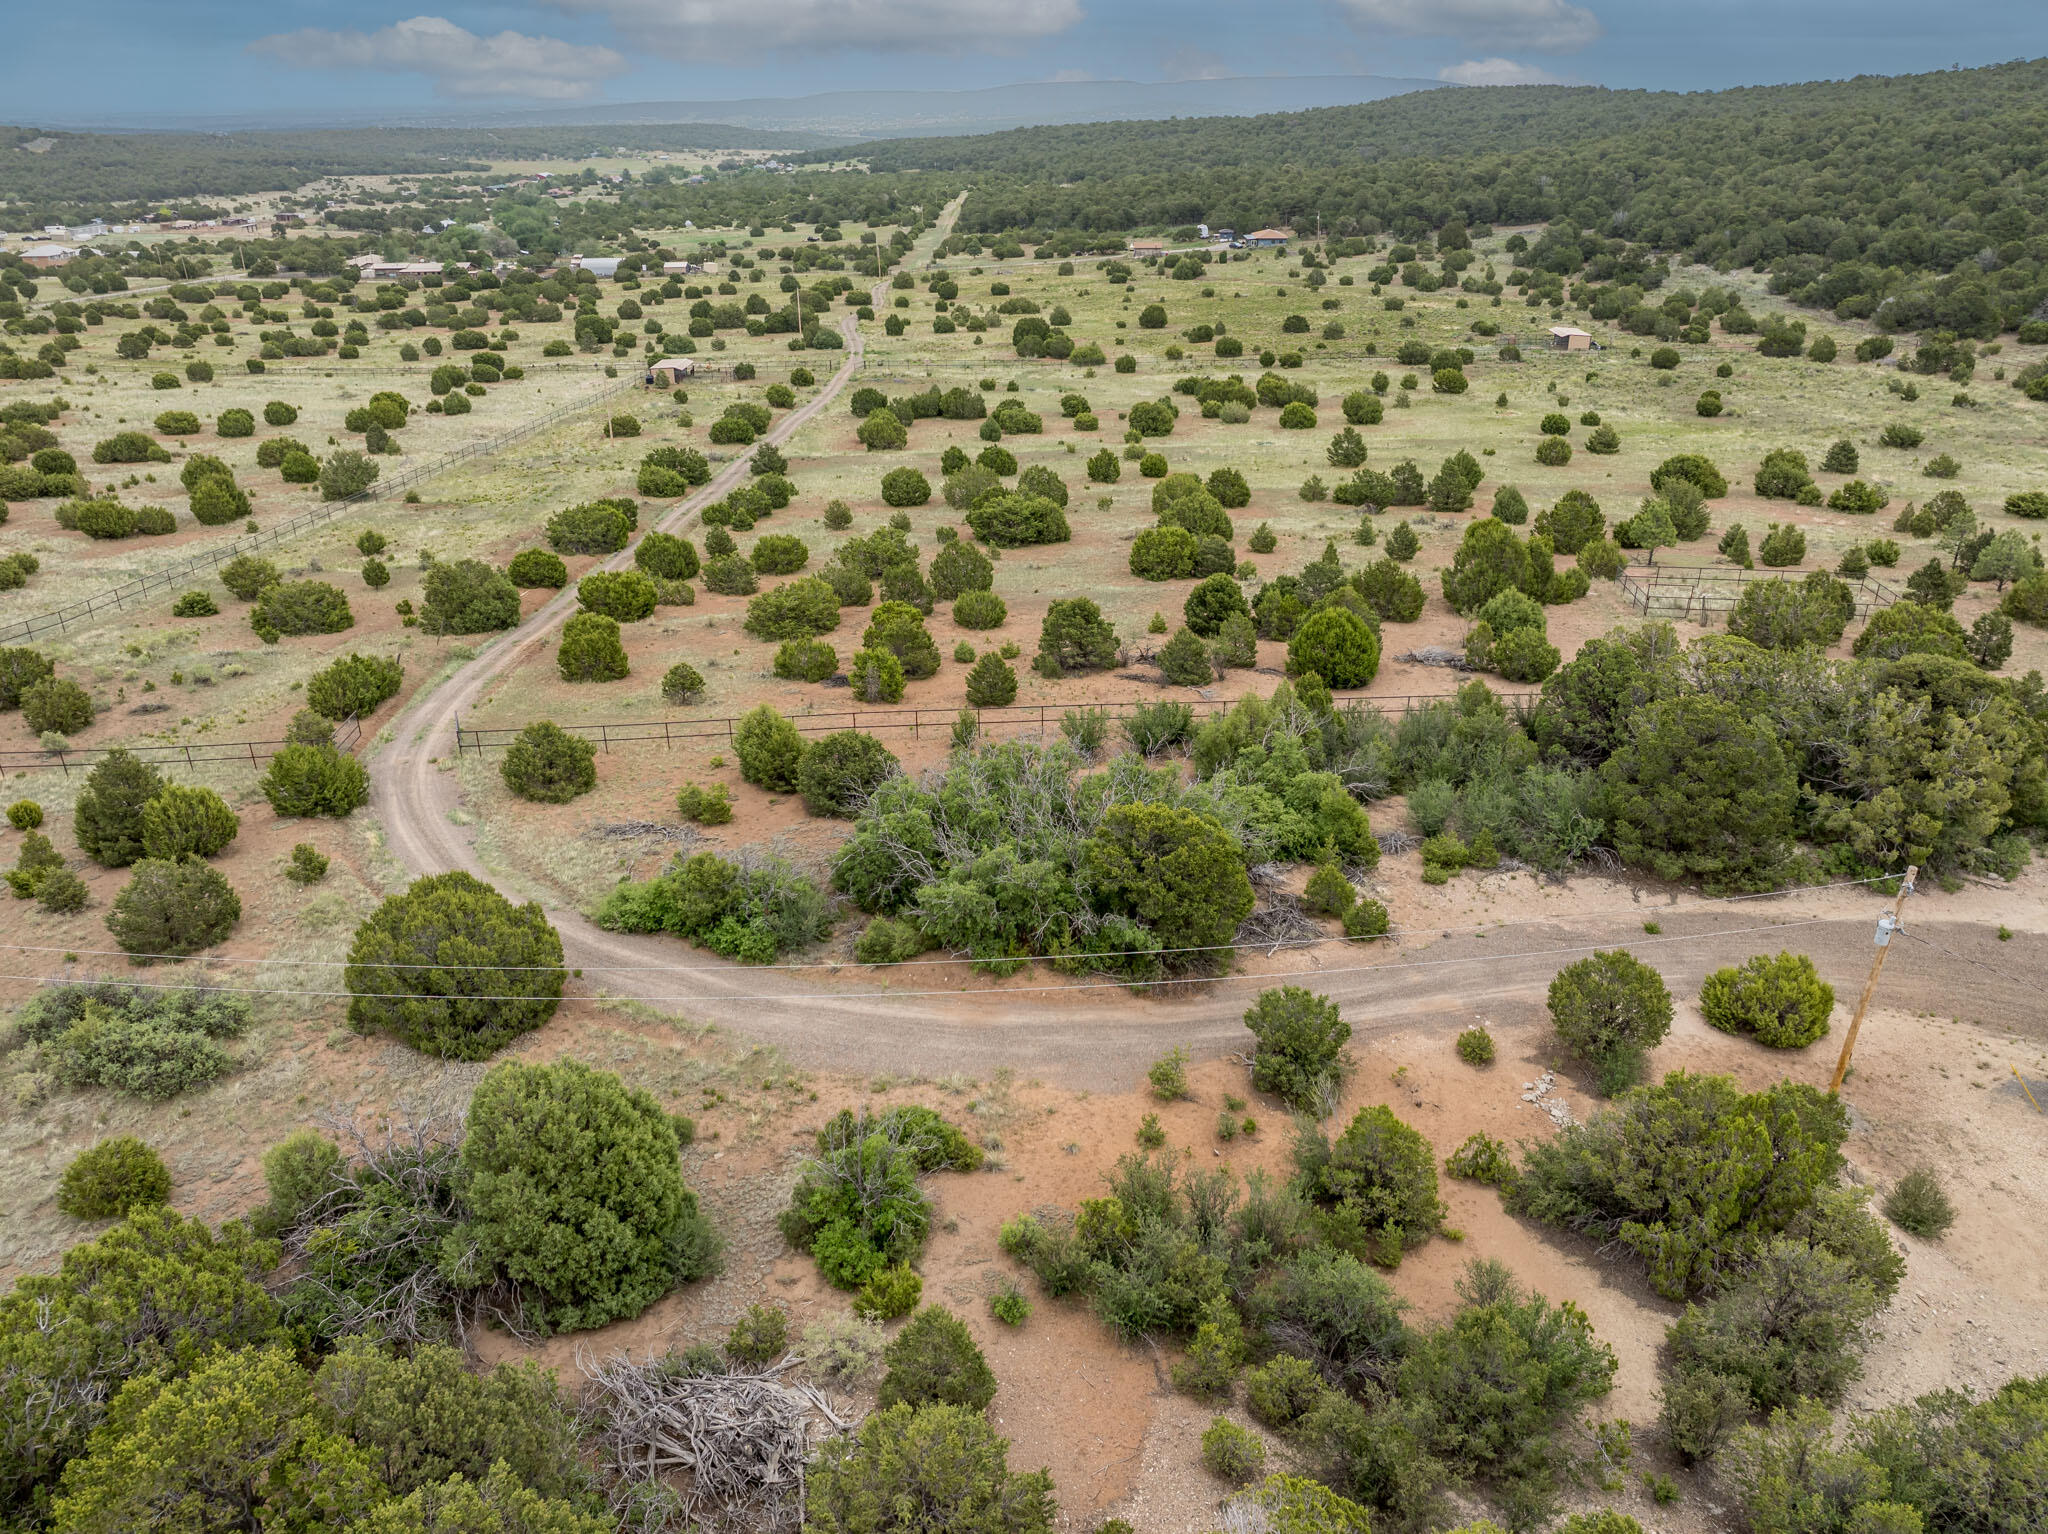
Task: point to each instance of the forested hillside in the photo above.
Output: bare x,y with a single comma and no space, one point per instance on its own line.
79,173
1926,189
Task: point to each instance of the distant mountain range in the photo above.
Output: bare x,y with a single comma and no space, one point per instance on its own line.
855,115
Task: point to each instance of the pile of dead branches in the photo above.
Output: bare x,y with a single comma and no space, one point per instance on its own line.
1438,655
1278,920
732,1447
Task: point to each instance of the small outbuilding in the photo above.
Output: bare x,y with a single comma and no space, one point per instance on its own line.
1569,338
668,371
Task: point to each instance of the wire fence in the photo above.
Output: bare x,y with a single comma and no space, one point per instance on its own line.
1026,718
1699,595
347,736
113,599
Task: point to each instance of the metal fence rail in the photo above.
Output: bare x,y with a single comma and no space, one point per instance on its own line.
62,620
1034,718
1701,594
347,736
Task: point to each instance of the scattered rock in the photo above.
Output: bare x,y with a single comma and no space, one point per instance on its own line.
1537,1094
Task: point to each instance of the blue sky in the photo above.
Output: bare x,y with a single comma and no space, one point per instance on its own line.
70,62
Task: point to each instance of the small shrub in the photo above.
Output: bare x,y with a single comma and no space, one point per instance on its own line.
769,749
889,1293
1481,1159
315,780
934,1361
1168,1075
887,940
1283,1390
62,892
247,576
1781,1002
843,1349
805,660
1475,1047
1009,1306
184,819
307,864
1329,893
1233,1453
309,729
548,765
538,568
1301,1038
625,595
729,575
704,806
596,527
1918,1206
837,773
590,650
467,596
112,1178
353,685
301,607
24,814
57,705
682,683
1368,918
1611,1009
173,908
759,1336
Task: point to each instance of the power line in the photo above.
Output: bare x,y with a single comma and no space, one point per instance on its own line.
1271,945
700,998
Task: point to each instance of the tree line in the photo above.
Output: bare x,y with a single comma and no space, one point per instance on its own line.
1906,198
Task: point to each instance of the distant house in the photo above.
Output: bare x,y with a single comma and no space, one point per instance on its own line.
1569,338
1148,247
1266,239
50,255
597,266
373,267
665,373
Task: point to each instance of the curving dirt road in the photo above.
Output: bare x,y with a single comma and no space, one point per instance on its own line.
1097,1034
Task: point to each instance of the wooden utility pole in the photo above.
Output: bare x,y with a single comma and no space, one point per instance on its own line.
1891,922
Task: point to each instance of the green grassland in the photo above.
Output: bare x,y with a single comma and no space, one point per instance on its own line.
222,682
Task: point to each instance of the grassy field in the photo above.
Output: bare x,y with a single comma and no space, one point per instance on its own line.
226,683
156,677
1770,403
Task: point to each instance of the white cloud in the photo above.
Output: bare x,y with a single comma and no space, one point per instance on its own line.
1195,64
1497,72
697,29
1548,26
461,62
